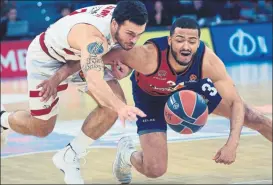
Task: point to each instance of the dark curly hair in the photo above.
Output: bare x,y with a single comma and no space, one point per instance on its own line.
185,22
133,11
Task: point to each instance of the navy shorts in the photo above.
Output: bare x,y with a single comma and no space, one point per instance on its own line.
153,107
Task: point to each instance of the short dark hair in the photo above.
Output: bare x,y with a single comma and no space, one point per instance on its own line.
133,11
185,22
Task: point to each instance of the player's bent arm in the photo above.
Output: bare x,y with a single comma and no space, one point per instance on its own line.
214,69
140,58
65,71
93,46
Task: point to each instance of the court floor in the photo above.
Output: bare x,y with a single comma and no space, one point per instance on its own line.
27,159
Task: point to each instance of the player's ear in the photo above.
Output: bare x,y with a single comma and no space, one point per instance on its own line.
115,24
169,40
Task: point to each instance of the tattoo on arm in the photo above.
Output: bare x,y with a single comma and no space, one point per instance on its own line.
94,62
95,48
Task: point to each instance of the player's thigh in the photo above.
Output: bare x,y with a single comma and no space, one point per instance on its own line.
152,132
251,117
37,73
223,109
155,153
154,121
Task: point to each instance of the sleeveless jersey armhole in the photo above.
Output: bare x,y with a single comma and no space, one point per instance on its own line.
158,57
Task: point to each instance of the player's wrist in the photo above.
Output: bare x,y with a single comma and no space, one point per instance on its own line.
117,106
56,80
233,142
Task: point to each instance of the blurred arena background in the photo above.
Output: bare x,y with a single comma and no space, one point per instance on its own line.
240,32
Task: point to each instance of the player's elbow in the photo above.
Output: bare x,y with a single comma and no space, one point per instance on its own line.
237,101
238,104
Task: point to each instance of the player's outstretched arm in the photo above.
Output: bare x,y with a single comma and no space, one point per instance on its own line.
140,58
214,69
93,46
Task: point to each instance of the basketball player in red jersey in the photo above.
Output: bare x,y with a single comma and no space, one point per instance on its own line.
82,37
161,64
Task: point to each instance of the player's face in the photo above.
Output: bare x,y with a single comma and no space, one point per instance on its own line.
128,33
183,44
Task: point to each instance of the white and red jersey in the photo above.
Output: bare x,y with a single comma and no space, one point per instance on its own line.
54,40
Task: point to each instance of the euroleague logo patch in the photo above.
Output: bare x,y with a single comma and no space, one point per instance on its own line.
162,73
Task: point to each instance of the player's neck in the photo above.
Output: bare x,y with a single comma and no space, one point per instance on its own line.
175,66
112,32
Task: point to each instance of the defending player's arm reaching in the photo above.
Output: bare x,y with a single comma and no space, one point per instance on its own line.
140,58
120,70
214,69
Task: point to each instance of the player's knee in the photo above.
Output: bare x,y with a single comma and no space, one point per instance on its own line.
155,170
43,132
42,128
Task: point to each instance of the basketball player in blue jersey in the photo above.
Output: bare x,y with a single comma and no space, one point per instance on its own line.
160,65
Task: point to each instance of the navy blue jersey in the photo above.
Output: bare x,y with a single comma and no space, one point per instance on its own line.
160,83
150,92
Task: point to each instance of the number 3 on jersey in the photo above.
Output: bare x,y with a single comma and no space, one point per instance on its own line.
207,87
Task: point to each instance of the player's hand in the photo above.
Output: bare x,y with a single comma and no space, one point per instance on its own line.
129,113
120,70
48,89
226,155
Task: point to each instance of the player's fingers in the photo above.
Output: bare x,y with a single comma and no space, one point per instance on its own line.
50,92
138,112
46,94
120,71
218,159
40,85
217,155
115,72
54,94
42,91
129,117
132,115
227,162
230,162
122,120
120,66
